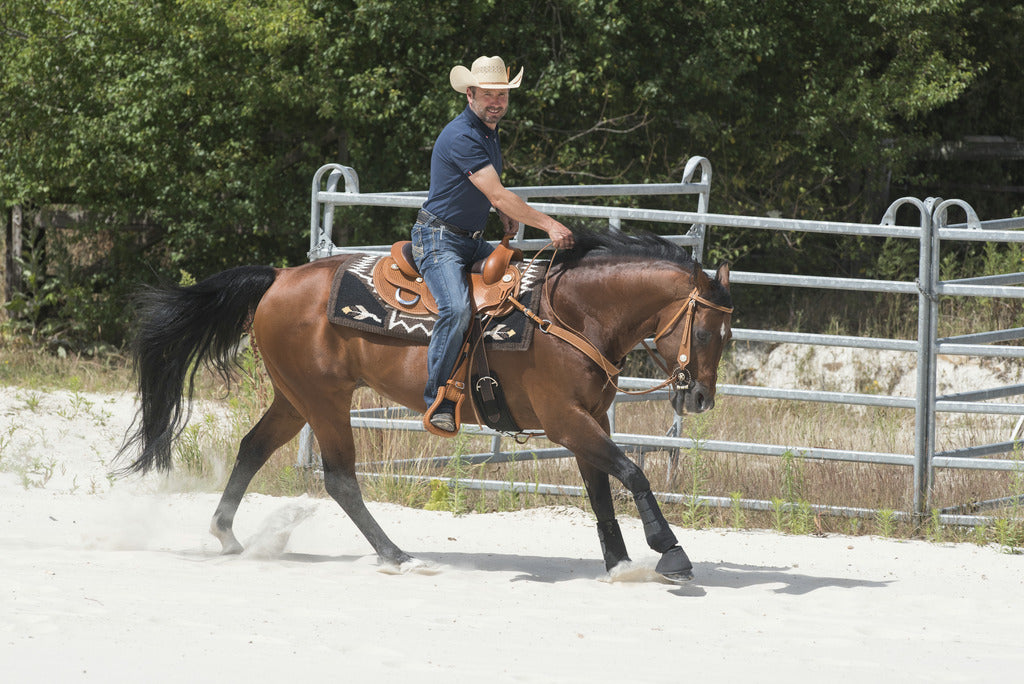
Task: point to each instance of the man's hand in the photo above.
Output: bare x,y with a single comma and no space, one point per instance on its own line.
510,225
560,236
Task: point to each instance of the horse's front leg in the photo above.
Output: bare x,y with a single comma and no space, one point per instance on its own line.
582,434
674,564
613,546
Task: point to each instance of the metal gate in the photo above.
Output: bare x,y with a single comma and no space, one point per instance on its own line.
930,231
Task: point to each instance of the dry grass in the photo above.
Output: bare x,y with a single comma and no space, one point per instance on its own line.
792,482
25,366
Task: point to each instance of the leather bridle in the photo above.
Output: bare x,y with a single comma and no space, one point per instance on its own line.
680,377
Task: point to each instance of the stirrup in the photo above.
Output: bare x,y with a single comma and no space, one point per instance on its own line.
451,387
444,421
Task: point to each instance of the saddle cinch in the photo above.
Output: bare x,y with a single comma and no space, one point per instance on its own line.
491,281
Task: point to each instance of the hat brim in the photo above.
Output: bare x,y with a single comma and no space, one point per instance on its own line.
462,78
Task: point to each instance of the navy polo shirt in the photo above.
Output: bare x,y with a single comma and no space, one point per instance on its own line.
465,146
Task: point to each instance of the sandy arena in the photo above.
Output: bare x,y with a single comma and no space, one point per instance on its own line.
111,581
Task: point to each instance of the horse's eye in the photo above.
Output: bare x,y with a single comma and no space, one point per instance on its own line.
703,336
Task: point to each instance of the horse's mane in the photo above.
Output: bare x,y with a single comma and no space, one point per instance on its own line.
614,244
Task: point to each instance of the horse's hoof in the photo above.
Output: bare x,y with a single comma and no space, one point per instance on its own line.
415,566
228,542
675,566
407,566
229,546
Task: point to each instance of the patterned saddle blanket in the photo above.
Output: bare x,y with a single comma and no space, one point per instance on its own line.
356,302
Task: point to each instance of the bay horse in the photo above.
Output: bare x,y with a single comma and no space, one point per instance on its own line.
614,289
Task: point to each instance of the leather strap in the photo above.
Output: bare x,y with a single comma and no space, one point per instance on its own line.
587,347
611,370
690,309
428,219
566,335
488,405
488,397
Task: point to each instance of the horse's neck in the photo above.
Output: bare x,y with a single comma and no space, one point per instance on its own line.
616,305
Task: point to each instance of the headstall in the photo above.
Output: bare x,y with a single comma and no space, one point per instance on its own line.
680,377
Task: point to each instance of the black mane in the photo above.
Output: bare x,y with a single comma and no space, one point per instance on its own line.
616,245
613,244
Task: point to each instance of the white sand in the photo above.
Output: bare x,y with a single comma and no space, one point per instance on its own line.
117,582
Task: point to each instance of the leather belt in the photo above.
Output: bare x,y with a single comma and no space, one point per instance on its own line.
428,219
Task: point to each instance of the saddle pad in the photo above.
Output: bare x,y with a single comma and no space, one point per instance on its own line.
355,303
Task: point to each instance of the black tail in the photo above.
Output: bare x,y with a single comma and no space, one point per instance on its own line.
182,328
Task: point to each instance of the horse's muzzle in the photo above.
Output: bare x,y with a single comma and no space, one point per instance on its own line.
694,399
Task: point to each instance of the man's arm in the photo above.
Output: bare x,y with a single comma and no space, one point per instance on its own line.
512,205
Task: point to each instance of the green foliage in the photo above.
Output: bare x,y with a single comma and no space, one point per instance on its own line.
736,509
885,520
178,114
450,495
695,513
28,306
934,531
440,496
793,478
190,129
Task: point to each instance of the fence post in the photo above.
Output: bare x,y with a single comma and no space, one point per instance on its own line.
321,215
699,229
927,338
13,255
927,314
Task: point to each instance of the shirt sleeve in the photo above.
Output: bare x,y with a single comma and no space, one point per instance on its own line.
468,155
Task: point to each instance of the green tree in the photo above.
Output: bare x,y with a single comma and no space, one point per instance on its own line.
190,129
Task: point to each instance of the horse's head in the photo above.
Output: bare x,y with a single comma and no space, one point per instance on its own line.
695,336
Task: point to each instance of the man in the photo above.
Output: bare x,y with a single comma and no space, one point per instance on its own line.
465,183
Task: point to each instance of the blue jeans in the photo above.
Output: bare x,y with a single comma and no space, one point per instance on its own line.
443,259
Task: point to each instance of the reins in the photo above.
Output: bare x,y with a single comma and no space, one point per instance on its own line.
678,377
563,332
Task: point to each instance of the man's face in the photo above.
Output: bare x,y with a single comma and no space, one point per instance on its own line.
490,104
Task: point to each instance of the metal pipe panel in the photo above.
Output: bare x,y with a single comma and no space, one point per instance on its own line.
927,288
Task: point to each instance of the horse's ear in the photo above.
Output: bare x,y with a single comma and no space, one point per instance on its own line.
722,275
702,282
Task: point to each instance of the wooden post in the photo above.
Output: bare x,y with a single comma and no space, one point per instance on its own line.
16,244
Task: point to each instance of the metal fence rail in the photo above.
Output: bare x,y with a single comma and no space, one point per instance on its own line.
931,230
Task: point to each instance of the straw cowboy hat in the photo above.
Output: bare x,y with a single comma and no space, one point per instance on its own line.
487,72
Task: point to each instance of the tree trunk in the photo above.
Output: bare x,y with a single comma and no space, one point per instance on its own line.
12,253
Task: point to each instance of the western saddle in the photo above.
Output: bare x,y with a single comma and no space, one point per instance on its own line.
491,281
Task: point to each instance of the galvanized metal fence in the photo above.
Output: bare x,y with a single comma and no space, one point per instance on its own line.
930,231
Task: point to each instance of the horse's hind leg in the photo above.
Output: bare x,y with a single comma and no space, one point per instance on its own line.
338,453
280,423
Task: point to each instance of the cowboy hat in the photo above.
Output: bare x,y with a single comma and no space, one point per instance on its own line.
487,72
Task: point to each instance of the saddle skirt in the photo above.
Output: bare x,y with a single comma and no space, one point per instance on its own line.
491,282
